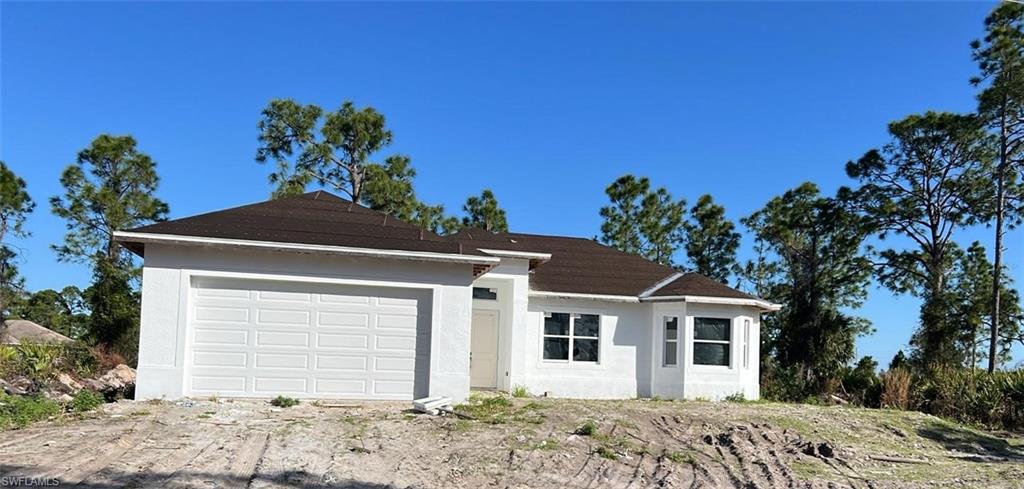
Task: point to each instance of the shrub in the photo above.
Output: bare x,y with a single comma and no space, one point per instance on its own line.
19,411
79,359
976,397
40,361
36,360
284,401
861,384
735,397
895,392
520,391
588,428
784,385
86,400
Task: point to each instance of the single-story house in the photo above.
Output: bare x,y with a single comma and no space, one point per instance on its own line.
314,296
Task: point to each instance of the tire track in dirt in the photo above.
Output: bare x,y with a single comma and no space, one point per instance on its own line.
163,469
116,449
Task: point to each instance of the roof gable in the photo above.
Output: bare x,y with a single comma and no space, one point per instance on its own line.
696,284
577,265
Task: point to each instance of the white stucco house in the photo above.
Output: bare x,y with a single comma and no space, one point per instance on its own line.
316,297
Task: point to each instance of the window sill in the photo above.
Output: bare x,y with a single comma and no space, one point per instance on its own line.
567,364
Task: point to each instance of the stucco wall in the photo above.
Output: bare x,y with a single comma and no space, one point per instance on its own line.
624,367
167,275
717,382
631,361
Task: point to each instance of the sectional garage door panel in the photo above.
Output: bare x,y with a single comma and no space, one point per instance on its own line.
263,339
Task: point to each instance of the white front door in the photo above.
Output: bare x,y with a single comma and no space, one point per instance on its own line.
483,350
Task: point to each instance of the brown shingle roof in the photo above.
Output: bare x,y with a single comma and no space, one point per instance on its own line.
316,218
697,284
577,265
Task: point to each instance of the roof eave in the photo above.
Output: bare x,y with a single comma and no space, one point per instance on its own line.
535,259
732,301
129,238
577,295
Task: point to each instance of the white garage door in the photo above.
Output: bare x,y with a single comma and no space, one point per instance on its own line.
263,339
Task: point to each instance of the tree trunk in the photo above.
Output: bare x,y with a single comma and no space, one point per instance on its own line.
997,266
997,271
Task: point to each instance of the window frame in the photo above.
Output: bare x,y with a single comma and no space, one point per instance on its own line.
665,341
572,336
746,343
694,341
490,290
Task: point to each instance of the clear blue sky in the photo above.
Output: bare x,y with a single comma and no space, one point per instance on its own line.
543,103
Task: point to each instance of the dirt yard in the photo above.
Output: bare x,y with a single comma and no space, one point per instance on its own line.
511,443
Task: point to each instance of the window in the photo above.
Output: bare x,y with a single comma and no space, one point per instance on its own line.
485,293
746,343
671,341
711,341
576,333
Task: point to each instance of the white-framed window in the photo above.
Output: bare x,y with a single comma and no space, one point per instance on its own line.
711,341
572,337
671,347
746,343
485,293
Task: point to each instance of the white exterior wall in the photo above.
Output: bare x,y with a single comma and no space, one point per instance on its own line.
167,277
717,382
623,369
632,353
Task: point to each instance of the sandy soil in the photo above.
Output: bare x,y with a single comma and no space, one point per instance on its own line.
528,444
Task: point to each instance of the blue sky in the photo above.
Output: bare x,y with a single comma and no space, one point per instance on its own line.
543,103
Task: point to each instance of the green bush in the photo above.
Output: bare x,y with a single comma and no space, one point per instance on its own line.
735,397
284,402
520,391
784,385
86,400
972,396
19,411
588,428
40,361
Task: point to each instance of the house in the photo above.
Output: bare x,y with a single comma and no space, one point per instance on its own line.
317,297
16,331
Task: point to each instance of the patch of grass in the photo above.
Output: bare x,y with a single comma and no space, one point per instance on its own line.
284,402
20,411
547,444
204,416
735,397
811,469
492,410
606,452
86,400
681,458
588,428
141,412
520,391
